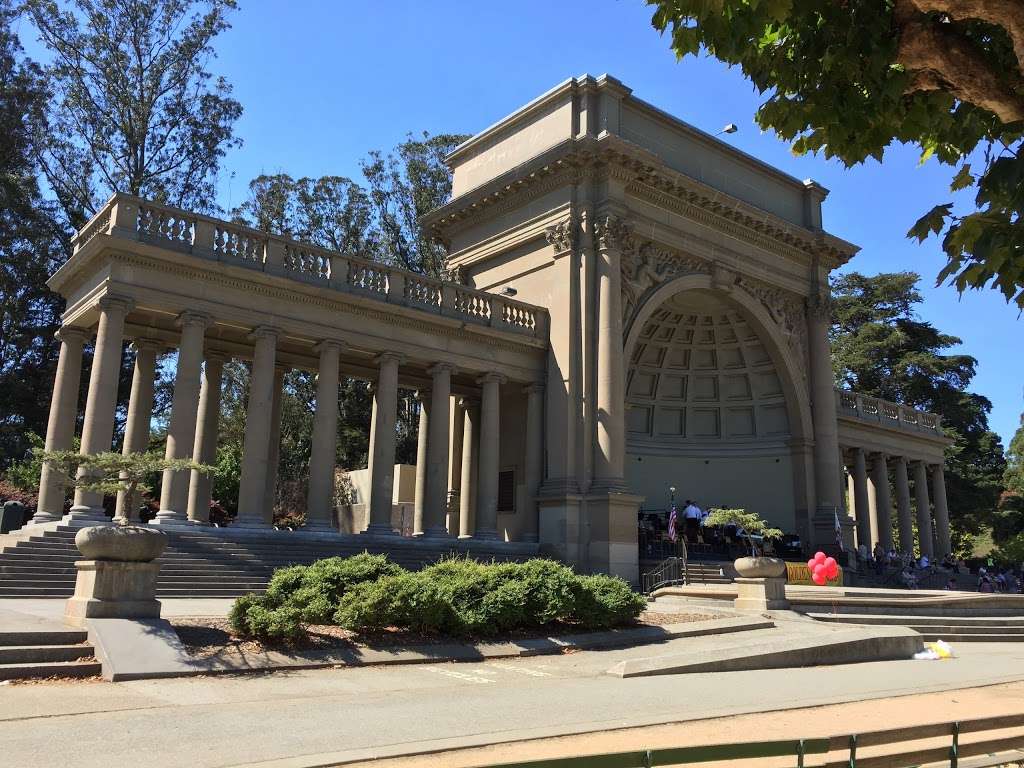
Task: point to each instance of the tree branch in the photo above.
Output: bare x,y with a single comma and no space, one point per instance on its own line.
939,58
1008,14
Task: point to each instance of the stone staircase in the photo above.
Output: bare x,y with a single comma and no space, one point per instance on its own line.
46,653
200,563
952,629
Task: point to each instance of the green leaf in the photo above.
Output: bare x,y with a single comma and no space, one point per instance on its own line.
931,223
963,178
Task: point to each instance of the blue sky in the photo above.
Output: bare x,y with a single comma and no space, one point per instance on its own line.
325,81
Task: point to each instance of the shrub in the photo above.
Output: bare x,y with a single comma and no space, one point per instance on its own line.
606,601
256,616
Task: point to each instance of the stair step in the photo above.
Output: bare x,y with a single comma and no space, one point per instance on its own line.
971,637
36,654
44,637
50,669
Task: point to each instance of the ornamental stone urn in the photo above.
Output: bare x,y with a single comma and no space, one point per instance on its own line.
117,578
761,585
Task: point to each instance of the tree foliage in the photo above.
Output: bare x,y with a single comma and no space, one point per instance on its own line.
31,248
1009,522
135,108
849,78
882,349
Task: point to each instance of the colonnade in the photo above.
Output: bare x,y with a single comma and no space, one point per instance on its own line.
193,427
870,494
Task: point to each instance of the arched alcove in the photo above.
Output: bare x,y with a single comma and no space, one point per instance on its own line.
715,403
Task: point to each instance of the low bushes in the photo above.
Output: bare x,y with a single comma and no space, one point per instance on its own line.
457,597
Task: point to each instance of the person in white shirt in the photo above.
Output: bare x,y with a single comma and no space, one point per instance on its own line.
692,514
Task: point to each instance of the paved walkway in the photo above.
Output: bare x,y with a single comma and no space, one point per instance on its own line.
324,716
52,609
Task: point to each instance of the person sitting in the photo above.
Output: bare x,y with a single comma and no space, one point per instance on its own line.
951,584
908,578
923,563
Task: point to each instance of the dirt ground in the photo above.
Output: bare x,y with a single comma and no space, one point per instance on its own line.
839,719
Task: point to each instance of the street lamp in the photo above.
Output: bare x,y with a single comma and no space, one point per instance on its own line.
729,128
672,490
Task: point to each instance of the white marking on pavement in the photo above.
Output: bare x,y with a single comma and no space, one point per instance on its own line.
458,675
520,670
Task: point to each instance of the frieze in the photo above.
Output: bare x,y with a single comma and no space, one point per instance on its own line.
787,311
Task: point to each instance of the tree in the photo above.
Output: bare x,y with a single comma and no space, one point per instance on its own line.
882,349
850,78
134,107
31,248
404,185
1010,520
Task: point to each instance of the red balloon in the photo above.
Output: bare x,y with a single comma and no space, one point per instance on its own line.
818,568
830,562
831,573
819,557
819,579
811,564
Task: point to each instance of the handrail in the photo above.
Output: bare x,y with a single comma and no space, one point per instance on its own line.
800,748
886,413
132,218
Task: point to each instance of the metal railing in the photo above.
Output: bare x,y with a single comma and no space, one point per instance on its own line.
670,572
995,746
131,218
888,414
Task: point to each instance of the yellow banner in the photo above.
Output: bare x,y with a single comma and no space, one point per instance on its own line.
799,573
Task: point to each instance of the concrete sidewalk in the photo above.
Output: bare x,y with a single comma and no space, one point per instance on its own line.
327,716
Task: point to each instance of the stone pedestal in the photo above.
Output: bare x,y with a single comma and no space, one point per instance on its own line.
107,589
763,594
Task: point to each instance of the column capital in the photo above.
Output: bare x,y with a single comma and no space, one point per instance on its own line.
329,345
536,388
148,345
495,378
422,394
612,232
441,367
563,235
466,402
192,318
264,332
72,334
113,302
387,357
217,356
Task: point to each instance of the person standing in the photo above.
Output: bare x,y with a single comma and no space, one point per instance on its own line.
692,515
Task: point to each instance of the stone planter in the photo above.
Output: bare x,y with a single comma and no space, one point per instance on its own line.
760,567
121,543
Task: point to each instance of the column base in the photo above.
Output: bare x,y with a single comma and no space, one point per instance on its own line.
439,532
318,529
612,545
378,529
169,517
88,515
486,535
608,485
42,518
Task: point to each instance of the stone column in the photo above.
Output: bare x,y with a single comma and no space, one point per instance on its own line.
274,452
140,413
60,429
490,456
534,458
467,485
252,485
941,511
320,498
181,432
860,498
609,460
422,436
823,411
924,512
435,508
455,464
903,513
881,501
98,427
200,486
382,444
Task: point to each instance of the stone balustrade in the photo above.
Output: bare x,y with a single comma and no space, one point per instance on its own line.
132,218
887,414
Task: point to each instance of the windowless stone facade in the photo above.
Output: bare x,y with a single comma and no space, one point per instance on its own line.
669,327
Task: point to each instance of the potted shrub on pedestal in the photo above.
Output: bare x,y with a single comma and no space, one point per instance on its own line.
761,584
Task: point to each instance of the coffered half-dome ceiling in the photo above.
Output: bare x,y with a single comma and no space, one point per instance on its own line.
700,373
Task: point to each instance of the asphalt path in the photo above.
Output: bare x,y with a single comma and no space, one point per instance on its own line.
350,713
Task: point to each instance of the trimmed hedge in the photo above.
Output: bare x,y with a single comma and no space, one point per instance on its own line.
456,597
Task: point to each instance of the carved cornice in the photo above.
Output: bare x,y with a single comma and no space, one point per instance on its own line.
298,297
650,179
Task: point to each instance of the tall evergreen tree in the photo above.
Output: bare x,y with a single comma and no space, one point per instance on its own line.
881,348
31,247
135,108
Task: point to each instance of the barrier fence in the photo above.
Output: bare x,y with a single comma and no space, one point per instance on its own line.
992,750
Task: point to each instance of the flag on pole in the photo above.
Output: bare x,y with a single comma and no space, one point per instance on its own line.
839,532
672,516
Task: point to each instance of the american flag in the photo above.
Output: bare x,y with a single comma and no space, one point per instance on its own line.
672,523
